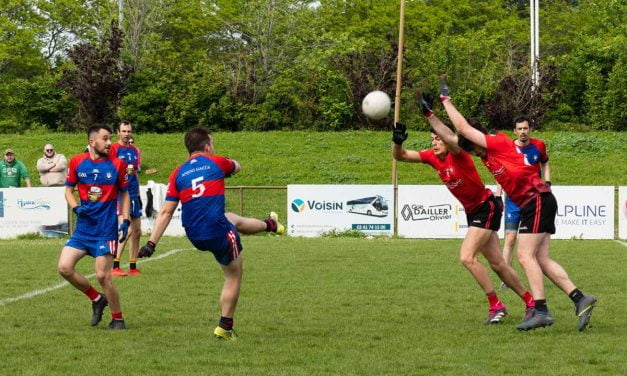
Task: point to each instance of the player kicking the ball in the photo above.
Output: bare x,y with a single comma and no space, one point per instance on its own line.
199,185
483,211
538,209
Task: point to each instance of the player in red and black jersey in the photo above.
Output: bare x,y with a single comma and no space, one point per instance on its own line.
100,181
538,208
483,212
199,185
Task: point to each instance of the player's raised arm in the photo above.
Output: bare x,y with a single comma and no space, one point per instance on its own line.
458,120
442,130
399,135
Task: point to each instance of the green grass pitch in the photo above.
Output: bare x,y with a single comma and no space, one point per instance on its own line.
325,306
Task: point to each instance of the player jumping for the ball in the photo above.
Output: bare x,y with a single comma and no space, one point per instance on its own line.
538,209
199,185
483,211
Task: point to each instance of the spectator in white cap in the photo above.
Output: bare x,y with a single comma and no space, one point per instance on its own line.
52,167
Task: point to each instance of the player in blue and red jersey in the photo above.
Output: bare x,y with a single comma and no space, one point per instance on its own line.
535,153
199,185
483,211
521,182
99,180
129,153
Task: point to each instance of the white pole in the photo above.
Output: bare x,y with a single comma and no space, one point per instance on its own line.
120,13
537,40
532,44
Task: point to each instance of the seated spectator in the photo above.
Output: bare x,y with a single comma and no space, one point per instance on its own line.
12,171
52,168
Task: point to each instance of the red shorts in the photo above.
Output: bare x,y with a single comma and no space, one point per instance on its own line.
538,216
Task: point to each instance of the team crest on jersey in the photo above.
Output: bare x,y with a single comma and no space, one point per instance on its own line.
108,176
94,193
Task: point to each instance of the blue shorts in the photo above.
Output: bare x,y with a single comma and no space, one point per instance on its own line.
225,248
512,215
136,207
93,247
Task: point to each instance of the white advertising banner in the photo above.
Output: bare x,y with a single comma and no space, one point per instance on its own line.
622,212
317,209
584,212
33,210
151,207
431,211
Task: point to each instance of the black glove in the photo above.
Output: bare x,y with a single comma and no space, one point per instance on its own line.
426,104
548,183
79,211
147,250
499,201
399,134
444,90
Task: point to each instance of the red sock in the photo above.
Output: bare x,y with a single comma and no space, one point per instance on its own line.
117,316
528,299
494,301
92,293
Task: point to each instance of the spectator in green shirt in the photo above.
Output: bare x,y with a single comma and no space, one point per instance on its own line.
12,171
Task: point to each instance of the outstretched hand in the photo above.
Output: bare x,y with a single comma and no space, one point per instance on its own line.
444,89
147,250
399,134
425,100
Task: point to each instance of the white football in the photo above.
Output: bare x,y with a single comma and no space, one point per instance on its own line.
376,105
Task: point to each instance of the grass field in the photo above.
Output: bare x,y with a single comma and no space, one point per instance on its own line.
348,306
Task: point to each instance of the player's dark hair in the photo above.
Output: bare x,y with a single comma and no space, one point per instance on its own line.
464,143
96,128
124,122
520,119
196,139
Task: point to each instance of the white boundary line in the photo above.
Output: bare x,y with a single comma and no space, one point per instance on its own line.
59,285
621,242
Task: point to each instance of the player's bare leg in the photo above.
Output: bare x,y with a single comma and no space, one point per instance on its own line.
508,246
66,267
528,247
552,269
229,297
103,275
134,235
476,239
505,272
251,226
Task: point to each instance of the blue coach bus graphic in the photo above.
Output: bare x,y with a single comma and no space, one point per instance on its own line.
375,206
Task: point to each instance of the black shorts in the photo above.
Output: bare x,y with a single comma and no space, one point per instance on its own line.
538,216
487,216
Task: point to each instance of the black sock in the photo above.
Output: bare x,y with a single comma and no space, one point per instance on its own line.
541,306
133,265
226,323
270,225
116,264
575,295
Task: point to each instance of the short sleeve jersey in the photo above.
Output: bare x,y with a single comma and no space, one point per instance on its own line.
132,157
459,174
99,182
11,175
535,153
512,170
199,185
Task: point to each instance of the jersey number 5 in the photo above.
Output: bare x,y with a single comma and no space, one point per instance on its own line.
198,189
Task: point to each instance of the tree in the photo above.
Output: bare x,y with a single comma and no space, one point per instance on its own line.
96,79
